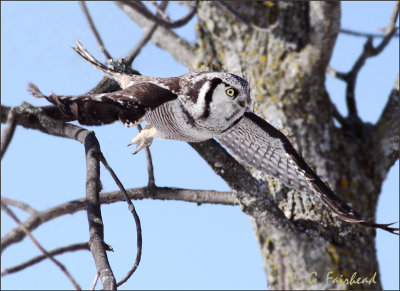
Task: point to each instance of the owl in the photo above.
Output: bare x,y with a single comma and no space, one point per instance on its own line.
196,107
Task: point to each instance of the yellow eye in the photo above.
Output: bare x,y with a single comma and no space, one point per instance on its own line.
230,92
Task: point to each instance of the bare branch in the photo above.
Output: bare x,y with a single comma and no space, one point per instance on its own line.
351,78
161,11
135,216
157,193
48,255
50,111
368,51
8,132
150,169
146,37
38,259
164,22
19,204
144,40
94,30
179,48
364,34
96,278
393,18
96,226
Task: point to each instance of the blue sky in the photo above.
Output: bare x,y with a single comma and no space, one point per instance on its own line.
185,246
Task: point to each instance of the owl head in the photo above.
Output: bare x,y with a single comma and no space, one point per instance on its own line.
215,98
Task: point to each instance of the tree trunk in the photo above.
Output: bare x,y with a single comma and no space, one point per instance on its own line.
285,64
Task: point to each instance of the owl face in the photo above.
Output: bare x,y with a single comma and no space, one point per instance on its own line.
215,99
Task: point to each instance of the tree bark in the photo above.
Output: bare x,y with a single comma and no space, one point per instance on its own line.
285,64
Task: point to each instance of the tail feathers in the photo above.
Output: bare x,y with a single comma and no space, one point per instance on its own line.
386,227
109,72
346,213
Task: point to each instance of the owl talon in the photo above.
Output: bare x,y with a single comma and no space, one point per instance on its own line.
144,138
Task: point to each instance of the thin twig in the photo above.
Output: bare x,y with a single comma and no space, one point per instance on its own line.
139,7
37,259
364,34
145,39
132,209
8,132
160,10
20,205
96,278
94,30
48,255
150,169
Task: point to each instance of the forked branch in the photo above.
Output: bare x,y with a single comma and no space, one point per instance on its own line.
160,19
38,259
40,247
179,48
369,50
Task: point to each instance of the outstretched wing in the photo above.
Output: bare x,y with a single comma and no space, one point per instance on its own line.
128,105
261,146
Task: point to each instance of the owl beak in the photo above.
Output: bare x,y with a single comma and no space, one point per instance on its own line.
246,102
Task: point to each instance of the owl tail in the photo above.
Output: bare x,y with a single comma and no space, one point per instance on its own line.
346,213
394,230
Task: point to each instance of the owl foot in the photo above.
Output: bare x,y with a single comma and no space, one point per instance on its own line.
144,138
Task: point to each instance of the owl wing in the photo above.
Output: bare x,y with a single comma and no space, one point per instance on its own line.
128,105
261,146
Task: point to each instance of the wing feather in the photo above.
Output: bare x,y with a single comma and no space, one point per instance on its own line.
261,146
128,105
